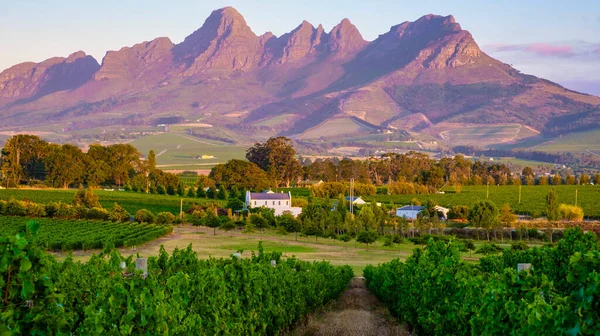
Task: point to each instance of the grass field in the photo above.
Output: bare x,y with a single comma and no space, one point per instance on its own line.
179,151
533,198
581,142
223,244
487,134
131,201
519,164
336,127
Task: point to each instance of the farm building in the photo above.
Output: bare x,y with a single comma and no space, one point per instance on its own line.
356,200
280,202
411,211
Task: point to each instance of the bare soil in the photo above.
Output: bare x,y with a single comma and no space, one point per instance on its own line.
356,313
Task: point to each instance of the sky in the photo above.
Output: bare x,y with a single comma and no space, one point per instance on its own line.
554,39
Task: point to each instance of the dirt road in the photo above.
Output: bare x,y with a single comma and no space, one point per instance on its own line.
356,313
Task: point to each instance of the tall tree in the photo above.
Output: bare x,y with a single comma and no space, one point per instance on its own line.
23,158
277,157
484,214
552,206
66,165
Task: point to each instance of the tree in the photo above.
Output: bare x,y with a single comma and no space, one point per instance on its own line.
507,217
86,198
366,237
290,223
239,174
165,218
258,221
65,165
211,220
191,192
277,157
118,214
170,190
180,189
200,192
235,204
556,179
227,224
145,216
222,193
484,214
584,179
160,189
212,192
552,207
23,158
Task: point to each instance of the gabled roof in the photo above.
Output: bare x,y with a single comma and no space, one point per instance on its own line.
270,196
353,198
411,208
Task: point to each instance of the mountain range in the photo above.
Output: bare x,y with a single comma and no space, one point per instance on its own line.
427,76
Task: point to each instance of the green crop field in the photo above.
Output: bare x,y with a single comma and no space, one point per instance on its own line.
580,142
182,151
487,134
532,197
59,234
131,201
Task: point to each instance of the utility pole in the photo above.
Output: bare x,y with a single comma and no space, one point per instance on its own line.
352,196
575,197
181,209
487,193
519,194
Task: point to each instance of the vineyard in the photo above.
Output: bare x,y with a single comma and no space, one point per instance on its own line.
130,201
59,234
435,293
181,294
533,198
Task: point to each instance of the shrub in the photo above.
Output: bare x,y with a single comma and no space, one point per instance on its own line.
235,204
519,246
299,202
571,212
165,218
145,216
118,214
489,248
15,208
35,210
160,190
98,213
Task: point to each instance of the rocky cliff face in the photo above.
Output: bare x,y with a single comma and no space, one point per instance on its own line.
30,79
132,63
430,67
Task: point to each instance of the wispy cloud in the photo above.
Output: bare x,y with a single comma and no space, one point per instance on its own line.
538,49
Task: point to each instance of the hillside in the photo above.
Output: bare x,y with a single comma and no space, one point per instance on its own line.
425,77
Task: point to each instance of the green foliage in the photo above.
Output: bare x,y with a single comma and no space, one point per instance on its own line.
191,192
489,248
484,214
235,204
118,214
145,216
366,237
180,189
436,293
165,218
238,296
65,235
552,207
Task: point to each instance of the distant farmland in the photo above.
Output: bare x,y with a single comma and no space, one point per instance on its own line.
180,151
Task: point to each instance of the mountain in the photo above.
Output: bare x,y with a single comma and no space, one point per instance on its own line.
426,77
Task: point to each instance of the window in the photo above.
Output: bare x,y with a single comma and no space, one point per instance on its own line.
287,202
254,202
279,202
265,202
273,202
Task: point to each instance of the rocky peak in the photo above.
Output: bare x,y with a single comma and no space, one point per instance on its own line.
345,38
30,79
132,62
223,42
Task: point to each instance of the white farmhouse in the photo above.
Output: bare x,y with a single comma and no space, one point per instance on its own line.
280,202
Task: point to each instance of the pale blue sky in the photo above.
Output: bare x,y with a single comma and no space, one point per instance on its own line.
551,38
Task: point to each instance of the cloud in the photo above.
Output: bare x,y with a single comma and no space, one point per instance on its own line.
538,49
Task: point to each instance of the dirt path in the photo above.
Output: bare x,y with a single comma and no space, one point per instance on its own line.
356,313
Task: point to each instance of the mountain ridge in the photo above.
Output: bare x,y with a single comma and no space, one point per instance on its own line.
226,75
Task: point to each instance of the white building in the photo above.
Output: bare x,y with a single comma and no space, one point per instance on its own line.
280,202
356,200
411,211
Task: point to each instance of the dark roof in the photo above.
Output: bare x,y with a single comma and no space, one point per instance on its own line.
411,207
273,196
